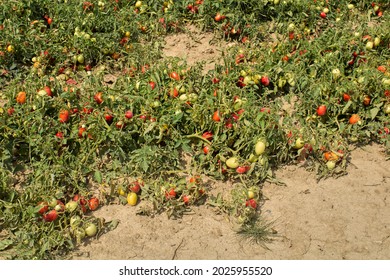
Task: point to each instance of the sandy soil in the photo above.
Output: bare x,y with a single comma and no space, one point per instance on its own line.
343,218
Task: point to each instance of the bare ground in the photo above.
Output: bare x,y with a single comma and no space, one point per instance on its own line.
343,218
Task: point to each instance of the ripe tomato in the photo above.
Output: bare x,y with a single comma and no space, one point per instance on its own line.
323,14
50,216
354,119
265,81
175,76
98,97
63,116
242,169
128,114
152,85
216,117
321,110
93,203
208,135
174,93
382,68
251,203
109,118
215,80
218,17
170,194
120,124
206,149
44,207
186,199
81,131
135,187
331,156
366,100
48,91
346,97
21,97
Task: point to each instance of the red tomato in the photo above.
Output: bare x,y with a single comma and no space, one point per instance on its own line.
174,76
323,15
44,207
10,111
216,116
64,116
218,17
242,169
265,81
108,117
60,135
321,110
382,68
208,135
152,85
21,97
170,194
354,119
81,131
50,216
135,187
128,114
93,203
366,100
186,199
251,203
174,92
346,97
215,80
98,97
206,149
48,91
120,124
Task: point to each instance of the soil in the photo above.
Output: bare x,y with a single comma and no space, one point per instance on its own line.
334,218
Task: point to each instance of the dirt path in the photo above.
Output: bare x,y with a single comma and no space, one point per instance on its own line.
344,218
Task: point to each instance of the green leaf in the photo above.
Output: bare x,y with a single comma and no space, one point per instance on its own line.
345,109
98,176
374,112
4,244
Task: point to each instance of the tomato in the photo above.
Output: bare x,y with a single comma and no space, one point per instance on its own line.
128,114
265,81
369,45
174,93
132,199
60,207
321,110
215,80
44,207
49,21
366,100
98,97
232,162
346,97
299,143
10,111
206,149
170,194
109,118
90,229
208,135
93,203
120,124
71,206
81,132
382,68
216,116
138,4
21,97
174,76
186,199
80,59
50,216
242,169
135,187
354,119
331,164
331,156
75,221
63,116
152,85
260,147
323,14
218,17
386,109
251,203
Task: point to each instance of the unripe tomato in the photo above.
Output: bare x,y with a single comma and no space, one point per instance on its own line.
71,206
232,162
90,229
75,221
251,194
132,199
299,143
331,165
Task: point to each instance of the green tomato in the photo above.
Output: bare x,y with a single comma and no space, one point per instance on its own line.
260,147
90,229
232,162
